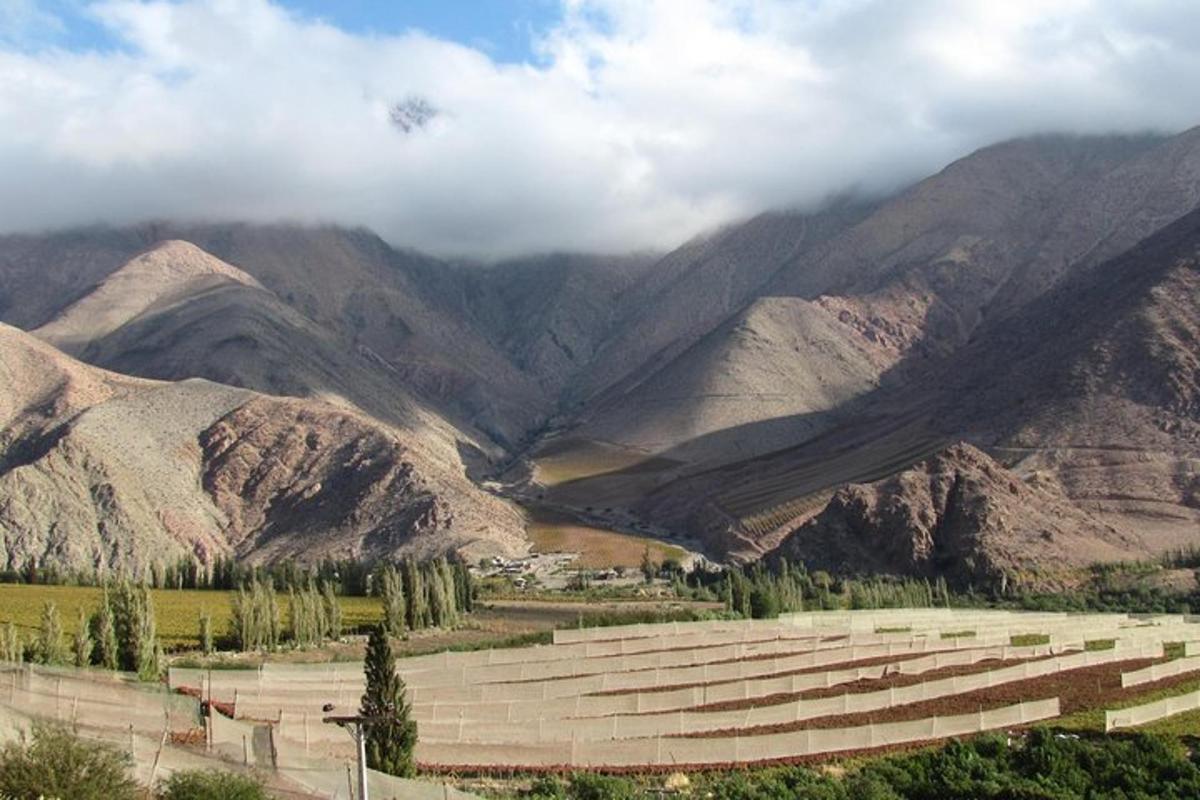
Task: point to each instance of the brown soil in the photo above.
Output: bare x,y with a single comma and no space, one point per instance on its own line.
1077,690
864,662
896,680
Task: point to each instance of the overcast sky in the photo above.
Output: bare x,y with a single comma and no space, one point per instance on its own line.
601,125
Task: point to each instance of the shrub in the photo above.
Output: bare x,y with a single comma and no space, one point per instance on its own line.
52,762
211,785
590,786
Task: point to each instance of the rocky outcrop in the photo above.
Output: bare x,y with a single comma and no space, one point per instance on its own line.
286,472
962,516
101,469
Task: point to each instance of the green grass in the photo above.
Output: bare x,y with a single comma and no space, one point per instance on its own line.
1029,639
1186,724
897,629
1095,645
958,635
176,610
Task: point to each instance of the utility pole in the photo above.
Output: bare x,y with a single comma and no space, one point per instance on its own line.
356,726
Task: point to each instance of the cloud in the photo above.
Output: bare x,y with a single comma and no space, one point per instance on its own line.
641,122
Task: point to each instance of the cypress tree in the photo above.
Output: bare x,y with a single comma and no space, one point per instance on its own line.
390,741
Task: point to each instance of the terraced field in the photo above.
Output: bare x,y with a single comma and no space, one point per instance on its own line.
710,694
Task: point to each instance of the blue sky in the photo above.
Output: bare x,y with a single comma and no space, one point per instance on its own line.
503,29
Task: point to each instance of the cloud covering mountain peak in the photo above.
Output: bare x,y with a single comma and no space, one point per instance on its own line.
637,125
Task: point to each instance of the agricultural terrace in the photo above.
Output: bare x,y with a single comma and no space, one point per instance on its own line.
807,686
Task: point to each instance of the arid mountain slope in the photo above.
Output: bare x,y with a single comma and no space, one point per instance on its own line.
549,314
782,358
403,307
1092,386
165,274
962,516
909,282
99,468
176,312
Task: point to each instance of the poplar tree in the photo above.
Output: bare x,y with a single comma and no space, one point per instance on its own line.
271,614
392,733
106,652
417,610
394,608
244,627
450,589
50,648
206,632
462,582
333,610
11,648
83,642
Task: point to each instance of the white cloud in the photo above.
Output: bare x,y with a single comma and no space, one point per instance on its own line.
644,122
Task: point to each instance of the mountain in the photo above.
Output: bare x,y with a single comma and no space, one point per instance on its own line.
959,515
730,390
167,273
889,286
896,294
1091,389
101,468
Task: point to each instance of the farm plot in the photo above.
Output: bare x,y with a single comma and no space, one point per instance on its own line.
706,694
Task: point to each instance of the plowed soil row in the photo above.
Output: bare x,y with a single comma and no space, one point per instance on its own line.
1077,690
760,657
896,680
863,662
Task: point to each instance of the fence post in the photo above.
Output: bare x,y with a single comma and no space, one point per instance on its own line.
161,744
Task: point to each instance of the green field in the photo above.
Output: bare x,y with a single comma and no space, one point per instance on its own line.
177,611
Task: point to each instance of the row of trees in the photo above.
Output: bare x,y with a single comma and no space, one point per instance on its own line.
433,594
119,635
348,577
314,617
761,592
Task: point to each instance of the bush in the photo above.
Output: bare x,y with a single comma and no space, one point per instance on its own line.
591,786
211,785
53,762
